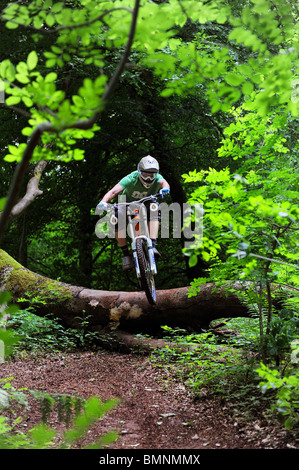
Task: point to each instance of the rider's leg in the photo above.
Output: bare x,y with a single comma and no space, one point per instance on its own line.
122,241
121,237
120,227
127,262
153,226
153,215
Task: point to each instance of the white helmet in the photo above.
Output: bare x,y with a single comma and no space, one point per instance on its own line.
148,168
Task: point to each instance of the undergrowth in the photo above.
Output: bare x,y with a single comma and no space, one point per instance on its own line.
34,335
229,366
46,334
224,361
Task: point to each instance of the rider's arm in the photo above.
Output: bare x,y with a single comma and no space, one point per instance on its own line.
164,184
117,189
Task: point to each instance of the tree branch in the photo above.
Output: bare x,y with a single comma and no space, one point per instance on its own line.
20,173
48,127
32,190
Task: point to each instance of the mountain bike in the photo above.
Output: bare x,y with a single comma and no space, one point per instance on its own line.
145,263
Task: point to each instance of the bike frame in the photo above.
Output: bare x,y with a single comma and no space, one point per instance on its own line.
138,228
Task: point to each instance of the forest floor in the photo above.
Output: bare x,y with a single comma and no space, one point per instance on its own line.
156,411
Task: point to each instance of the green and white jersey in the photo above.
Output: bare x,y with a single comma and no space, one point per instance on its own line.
133,189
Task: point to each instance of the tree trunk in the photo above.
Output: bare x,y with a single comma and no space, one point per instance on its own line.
108,311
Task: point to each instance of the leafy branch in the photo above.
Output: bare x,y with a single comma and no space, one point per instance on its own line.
68,27
50,127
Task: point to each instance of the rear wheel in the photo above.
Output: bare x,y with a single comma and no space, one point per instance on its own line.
147,278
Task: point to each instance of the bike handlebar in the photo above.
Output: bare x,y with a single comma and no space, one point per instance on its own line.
147,198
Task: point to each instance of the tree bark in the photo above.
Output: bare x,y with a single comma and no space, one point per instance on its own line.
112,310
32,190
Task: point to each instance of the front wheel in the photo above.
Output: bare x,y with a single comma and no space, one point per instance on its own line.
147,277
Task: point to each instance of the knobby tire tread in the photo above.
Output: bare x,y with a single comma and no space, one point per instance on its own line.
145,284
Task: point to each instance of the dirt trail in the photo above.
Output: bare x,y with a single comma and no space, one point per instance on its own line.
156,411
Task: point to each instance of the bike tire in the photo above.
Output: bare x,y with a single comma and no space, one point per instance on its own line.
147,279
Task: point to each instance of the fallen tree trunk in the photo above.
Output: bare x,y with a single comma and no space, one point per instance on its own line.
108,311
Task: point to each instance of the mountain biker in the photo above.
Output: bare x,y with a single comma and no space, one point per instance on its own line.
145,181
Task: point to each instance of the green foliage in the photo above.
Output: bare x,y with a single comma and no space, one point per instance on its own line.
266,29
87,35
251,214
36,334
287,393
13,399
210,365
283,331
216,52
94,409
42,436
65,405
8,339
199,360
251,234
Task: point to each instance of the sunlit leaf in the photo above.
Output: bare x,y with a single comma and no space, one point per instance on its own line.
32,60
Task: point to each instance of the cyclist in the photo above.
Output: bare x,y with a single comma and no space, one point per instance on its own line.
145,181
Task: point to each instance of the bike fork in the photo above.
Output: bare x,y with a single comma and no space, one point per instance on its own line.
153,266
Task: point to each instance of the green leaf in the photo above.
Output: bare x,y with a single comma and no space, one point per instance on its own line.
78,154
27,131
2,203
247,88
9,339
234,79
78,101
37,22
10,158
42,436
167,92
50,55
56,50
32,60
27,101
22,78
192,260
51,77
50,63
13,149
22,68
50,20
11,25
12,100
7,70
57,7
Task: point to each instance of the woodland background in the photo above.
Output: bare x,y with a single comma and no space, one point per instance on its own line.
55,236
210,89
